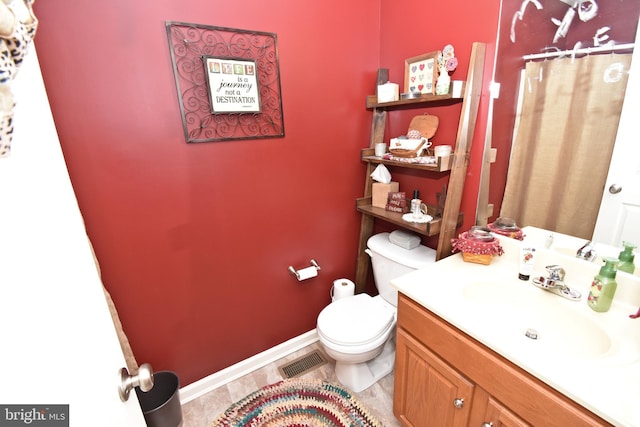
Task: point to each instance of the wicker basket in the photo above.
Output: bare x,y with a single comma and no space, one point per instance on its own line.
484,259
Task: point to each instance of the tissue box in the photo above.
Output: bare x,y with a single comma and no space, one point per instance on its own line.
380,191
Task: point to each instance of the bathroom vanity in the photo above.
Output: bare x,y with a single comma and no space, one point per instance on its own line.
478,347
445,376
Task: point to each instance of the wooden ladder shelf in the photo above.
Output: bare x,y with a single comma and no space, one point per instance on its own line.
445,227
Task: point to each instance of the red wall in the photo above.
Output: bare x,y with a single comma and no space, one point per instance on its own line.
194,240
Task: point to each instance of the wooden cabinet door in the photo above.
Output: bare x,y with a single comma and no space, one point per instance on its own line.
428,392
488,412
499,416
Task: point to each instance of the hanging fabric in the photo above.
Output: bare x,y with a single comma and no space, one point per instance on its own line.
17,29
562,147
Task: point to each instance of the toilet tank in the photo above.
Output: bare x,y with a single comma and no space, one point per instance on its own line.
390,261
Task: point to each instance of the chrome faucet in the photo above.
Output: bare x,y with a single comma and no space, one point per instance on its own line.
587,251
555,283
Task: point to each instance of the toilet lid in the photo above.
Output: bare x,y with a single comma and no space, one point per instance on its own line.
354,320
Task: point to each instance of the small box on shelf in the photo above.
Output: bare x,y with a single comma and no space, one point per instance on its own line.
397,202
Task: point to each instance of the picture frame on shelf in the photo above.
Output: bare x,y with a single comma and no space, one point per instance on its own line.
421,73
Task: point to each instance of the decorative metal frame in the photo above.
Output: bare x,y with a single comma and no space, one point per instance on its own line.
189,45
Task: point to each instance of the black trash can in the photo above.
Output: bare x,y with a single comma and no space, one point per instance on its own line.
161,404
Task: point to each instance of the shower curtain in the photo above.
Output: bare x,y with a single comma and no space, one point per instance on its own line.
564,137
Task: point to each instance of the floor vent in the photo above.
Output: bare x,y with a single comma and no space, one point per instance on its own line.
302,365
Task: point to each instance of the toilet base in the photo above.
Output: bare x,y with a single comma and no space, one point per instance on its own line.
360,376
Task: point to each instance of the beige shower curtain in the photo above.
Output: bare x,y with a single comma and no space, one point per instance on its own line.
569,116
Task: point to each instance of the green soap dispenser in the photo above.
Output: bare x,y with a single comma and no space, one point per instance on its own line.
603,287
626,258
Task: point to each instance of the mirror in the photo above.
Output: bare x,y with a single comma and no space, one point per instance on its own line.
532,27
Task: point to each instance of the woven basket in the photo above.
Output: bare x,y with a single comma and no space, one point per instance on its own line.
427,125
484,259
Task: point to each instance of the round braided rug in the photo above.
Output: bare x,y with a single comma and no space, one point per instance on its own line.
298,402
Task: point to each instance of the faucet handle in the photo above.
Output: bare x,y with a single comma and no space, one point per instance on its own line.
555,272
584,249
587,251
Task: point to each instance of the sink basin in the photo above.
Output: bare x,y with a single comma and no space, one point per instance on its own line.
544,324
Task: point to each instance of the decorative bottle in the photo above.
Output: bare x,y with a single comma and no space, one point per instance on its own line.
443,82
626,258
415,204
603,287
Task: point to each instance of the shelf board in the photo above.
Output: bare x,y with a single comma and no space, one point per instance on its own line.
372,100
443,163
431,228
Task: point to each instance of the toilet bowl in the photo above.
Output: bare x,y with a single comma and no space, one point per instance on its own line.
358,331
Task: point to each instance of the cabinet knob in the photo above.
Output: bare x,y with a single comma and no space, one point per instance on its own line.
458,402
487,424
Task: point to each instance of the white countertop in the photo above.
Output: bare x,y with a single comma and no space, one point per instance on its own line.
592,358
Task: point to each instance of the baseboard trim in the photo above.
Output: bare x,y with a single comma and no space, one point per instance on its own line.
220,378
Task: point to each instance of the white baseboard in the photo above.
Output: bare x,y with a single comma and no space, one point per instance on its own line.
220,378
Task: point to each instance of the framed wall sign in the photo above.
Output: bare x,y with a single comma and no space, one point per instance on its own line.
421,73
228,82
233,86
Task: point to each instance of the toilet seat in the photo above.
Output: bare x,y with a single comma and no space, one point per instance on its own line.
356,321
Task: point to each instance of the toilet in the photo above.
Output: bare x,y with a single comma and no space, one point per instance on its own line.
358,331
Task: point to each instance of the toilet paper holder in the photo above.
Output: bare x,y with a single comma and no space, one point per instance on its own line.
314,264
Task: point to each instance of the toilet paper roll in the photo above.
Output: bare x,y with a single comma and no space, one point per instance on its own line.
307,273
342,288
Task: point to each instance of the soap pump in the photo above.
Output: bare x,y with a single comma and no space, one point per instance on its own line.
626,258
603,286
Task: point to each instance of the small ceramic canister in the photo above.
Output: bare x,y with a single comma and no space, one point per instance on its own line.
442,150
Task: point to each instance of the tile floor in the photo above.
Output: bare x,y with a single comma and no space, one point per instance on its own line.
202,411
